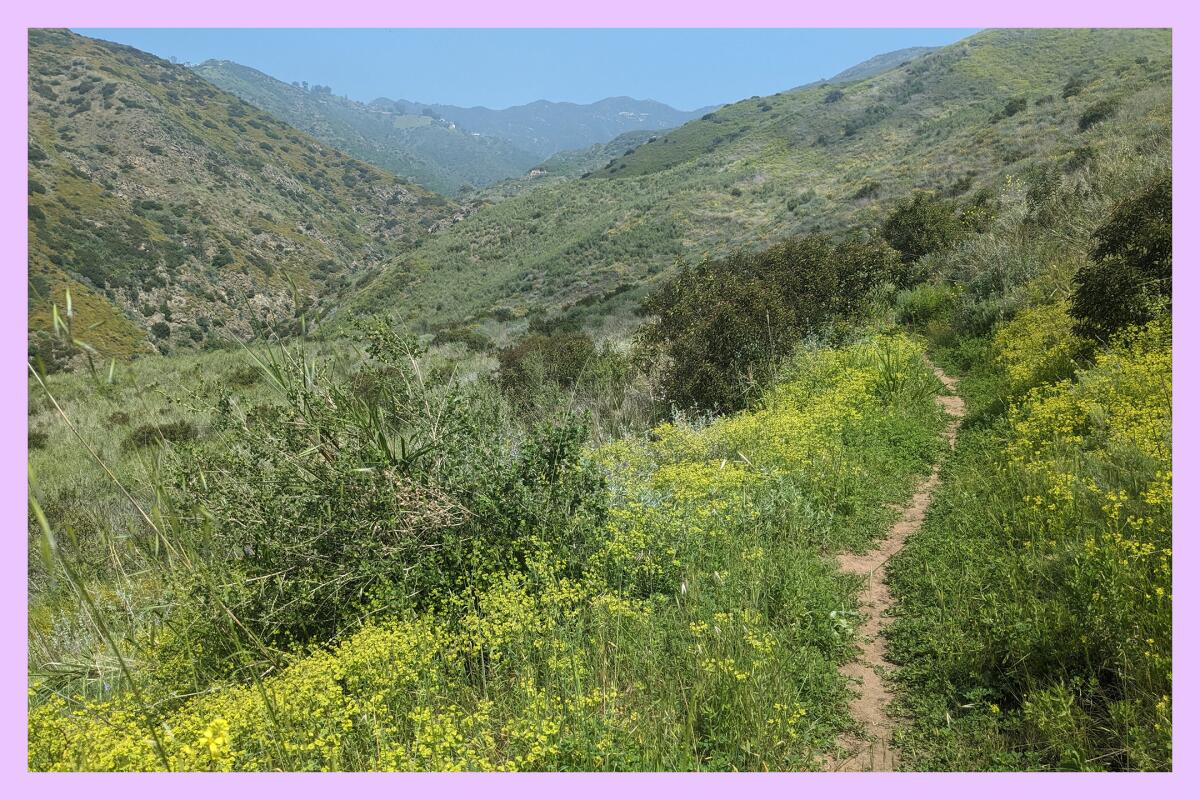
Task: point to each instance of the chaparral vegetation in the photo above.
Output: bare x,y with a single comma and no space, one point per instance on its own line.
329,472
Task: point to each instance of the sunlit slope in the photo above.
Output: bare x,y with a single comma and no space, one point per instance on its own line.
177,213
817,158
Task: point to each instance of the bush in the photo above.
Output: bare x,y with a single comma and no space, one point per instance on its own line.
922,225
926,303
338,502
1128,279
474,340
539,359
1014,106
1097,113
867,190
721,327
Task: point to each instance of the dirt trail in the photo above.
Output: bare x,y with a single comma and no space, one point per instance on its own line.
874,753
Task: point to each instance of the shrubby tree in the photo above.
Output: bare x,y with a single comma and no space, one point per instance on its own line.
1128,278
721,326
922,225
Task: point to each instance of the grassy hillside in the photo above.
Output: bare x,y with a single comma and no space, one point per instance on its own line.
176,213
688,551
754,172
427,150
562,166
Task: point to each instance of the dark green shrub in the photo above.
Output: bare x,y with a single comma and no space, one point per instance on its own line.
721,327
922,225
473,339
1097,113
867,190
833,96
161,330
1014,106
38,439
1128,279
541,359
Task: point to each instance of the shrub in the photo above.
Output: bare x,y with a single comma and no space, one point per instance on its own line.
160,329
833,96
722,326
1128,278
922,225
1014,106
38,439
540,359
867,190
473,339
1097,113
926,303
1072,87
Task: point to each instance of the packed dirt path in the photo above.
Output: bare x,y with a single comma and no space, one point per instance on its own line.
870,670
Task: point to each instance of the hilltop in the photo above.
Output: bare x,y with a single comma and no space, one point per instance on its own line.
177,214
821,157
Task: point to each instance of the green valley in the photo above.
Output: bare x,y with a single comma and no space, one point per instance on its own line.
829,430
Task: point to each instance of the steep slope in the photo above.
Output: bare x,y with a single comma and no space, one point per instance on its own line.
426,149
544,128
176,213
814,158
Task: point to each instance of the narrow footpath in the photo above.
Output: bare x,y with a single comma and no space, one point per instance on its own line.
870,671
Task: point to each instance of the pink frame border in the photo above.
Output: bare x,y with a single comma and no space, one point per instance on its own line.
17,18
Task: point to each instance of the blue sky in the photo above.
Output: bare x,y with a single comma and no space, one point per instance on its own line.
685,68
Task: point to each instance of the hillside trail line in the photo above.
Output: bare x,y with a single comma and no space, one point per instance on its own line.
870,670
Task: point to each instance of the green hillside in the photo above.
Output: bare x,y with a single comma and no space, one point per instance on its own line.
425,149
177,214
954,120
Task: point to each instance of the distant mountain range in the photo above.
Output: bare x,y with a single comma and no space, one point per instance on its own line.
445,148
545,128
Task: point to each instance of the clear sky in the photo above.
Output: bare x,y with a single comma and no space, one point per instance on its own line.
685,68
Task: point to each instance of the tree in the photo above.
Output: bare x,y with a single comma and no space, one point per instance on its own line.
923,225
721,326
1128,279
